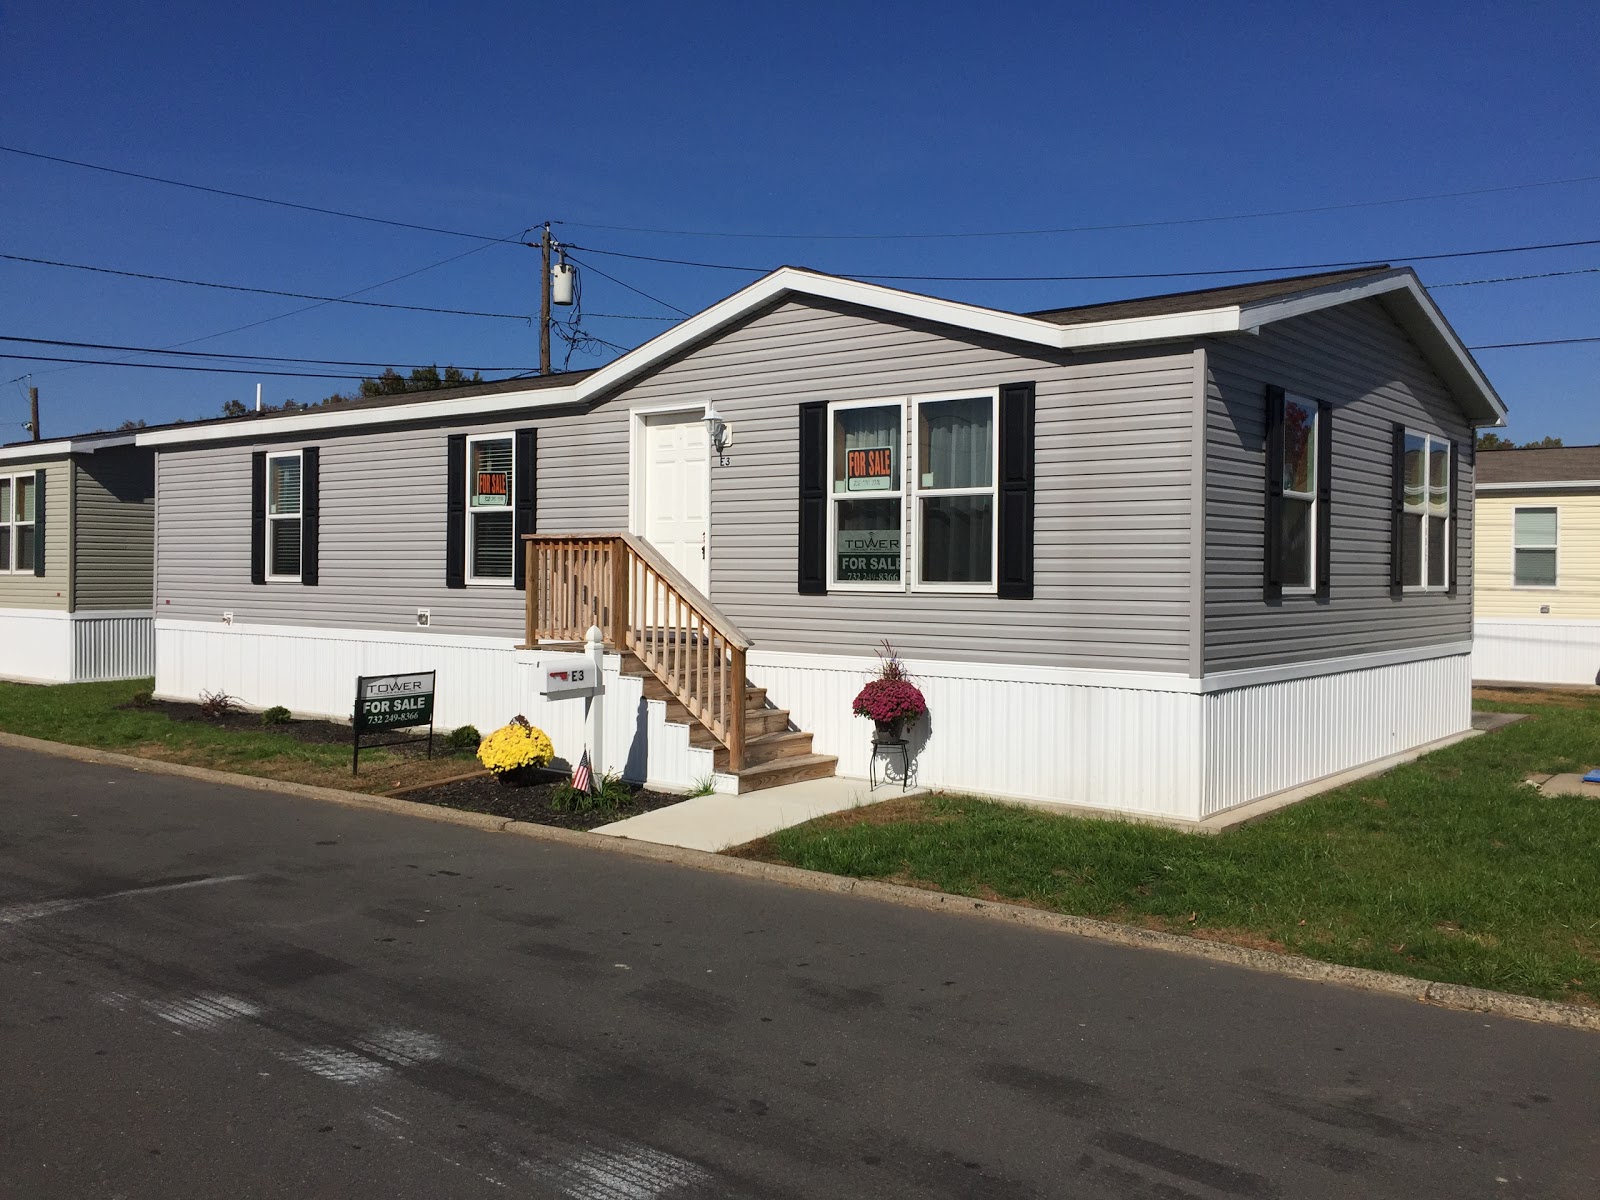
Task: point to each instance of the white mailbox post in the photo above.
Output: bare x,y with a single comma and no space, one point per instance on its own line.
569,676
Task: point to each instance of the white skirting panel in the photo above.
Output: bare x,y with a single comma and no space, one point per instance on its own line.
112,646
1143,748
483,682
1517,650
1128,749
1268,738
35,645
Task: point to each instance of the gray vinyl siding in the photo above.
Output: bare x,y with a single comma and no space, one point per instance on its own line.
382,545
113,529
1357,359
1114,453
54,589
1114,458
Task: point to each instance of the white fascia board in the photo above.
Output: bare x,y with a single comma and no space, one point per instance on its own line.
1543,485
62,447
1426,323
341,419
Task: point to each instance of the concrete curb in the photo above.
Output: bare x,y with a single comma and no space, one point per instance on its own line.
1444,995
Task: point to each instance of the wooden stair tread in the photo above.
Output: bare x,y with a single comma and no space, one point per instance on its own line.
786,770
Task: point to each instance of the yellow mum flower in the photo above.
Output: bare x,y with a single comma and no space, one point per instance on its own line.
518,744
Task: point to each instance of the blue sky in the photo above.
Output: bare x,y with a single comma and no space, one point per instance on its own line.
815,119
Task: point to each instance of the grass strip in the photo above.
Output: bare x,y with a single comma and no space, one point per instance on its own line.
1450,868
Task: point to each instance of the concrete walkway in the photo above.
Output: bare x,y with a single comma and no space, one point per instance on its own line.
716,822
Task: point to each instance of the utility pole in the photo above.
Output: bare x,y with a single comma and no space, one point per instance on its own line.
544,301
33,410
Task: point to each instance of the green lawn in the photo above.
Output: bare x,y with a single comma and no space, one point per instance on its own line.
1448,869
92,714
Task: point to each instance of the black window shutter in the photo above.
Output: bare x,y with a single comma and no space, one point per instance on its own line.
310,514
258,517
1272,544
455,511
38,522
1397,514
812,575
1016,491
526,489
1324,498
1457,452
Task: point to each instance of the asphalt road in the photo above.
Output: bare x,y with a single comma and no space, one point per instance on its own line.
208,992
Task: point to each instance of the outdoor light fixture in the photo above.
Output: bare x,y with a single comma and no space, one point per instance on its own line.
721,435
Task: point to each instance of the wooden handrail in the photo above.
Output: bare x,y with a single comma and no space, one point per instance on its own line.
644,605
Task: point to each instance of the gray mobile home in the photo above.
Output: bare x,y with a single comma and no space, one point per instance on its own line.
1166,556
77,518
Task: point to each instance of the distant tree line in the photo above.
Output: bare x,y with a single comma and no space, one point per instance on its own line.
1493,441
390,383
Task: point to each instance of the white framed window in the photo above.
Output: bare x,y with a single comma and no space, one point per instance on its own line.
1298,530
19,511
285,519
1534,535
1425,530
955,503
491,519
866,495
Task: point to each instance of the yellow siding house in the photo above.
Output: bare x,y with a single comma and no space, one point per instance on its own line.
1536,566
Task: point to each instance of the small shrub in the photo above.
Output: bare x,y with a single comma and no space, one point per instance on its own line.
610,796
463,737
142,700
216,705
276,715
704,786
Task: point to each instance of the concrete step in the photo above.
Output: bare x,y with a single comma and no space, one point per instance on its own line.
787,770
767,748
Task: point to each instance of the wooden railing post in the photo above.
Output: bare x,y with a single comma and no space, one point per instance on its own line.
736,713
621,576
530,595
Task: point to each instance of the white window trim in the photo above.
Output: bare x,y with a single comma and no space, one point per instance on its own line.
9,567
916,493
906,546
300,516
1315,520
472,523
1535,587
1422,510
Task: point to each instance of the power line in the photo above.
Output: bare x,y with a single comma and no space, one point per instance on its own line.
234,287
619,283
1547,342
1298,267
626,316
1516,278
216,191
95,362
1004,233
279,358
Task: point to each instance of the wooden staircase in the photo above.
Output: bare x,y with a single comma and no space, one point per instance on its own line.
774,751
690,655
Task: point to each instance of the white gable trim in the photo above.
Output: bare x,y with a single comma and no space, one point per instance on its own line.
1421,318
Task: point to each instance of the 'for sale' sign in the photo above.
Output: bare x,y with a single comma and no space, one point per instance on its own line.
394,701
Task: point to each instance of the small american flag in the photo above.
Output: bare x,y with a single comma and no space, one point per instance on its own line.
583,775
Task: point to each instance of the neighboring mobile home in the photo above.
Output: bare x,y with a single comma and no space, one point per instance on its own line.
1537,566
1164,556
76,522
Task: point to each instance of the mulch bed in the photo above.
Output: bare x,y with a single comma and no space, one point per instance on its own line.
316,733
485,794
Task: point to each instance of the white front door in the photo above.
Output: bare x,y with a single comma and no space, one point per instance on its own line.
672,501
